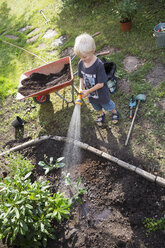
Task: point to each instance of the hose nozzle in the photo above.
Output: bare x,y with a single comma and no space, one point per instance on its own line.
79,101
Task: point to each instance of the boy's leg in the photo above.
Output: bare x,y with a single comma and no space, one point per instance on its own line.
115,116
111,107
101,114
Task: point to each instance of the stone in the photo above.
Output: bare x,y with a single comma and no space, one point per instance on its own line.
50,33
34,31
34,38
10,36
131,63
22,30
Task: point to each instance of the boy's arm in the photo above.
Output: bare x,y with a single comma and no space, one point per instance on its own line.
94,88
81,84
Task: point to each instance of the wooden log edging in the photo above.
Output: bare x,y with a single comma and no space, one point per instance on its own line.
153,178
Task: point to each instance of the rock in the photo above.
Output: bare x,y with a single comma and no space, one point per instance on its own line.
50,33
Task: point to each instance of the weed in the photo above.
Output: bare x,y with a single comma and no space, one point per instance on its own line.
50,165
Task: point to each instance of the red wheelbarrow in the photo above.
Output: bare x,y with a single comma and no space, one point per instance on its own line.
42,96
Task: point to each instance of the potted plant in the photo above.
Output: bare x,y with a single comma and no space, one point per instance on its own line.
125,11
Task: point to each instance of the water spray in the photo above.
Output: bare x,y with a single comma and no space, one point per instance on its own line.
79,99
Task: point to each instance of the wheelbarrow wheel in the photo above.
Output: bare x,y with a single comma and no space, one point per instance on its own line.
42,99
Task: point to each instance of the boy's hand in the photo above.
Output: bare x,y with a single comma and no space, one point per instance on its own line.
85,93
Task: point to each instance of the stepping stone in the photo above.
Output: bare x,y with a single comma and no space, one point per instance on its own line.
34,38
22,30
10,36
50,33
69,51
34,31
60,41
42,46
131,63
156,75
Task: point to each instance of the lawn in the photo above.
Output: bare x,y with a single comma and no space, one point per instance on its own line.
34,33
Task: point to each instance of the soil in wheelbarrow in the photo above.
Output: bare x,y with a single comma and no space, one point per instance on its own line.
37,81
114,206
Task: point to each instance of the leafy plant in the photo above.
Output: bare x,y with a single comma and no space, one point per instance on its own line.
76,187
152,224
48,166
27,210
125,10
15,162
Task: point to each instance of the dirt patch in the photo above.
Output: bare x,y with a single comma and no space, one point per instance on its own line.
131,63
69,51
161,104
37,81
114,206
123,85
156,75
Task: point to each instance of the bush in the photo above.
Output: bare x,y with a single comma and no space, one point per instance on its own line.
16,163
27,210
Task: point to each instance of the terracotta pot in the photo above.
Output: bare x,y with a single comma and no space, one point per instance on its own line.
126,26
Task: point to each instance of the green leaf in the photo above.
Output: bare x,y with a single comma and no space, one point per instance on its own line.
47,171
41,163
6,231
60,159
17,212
51,160
44,242
24,226
27,175
29,206
78,181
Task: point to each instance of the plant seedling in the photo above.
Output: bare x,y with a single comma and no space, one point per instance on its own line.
48,166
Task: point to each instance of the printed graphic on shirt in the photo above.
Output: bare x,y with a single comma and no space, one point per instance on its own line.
89,82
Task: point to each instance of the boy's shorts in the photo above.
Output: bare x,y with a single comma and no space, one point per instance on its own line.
108,107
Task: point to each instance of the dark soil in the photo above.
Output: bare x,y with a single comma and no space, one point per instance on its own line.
38,81
114,206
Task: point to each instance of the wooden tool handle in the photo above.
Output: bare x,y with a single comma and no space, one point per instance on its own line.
130,130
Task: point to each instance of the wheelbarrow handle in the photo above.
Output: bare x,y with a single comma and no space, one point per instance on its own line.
103,53
96,34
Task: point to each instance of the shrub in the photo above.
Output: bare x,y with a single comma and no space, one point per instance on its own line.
16,163
27,210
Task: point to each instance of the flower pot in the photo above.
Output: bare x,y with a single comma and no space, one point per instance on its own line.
126,26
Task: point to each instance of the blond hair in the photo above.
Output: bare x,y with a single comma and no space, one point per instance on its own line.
84,43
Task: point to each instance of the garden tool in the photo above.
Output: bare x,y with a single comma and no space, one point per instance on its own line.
139,98
41,11
132,104
79,101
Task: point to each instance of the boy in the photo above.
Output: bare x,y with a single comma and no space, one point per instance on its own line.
93,76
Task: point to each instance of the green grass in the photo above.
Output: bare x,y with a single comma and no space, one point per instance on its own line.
71,20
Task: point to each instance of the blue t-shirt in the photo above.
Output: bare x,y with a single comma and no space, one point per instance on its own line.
93,75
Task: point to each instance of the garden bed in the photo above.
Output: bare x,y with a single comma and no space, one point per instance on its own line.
114,206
